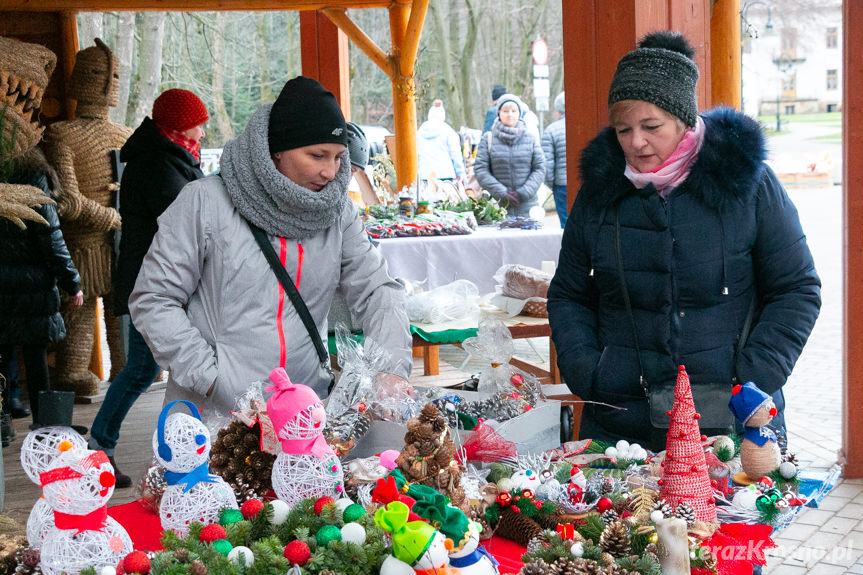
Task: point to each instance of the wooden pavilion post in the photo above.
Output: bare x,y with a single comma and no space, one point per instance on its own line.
725,58
852,179
324,54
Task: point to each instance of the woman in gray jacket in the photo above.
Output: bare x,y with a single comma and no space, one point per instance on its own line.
509,161
206,300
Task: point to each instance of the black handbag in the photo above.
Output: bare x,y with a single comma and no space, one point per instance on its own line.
711,399
296,299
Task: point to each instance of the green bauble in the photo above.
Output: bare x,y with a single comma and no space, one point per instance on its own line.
353,512
223,546
328,533
229,516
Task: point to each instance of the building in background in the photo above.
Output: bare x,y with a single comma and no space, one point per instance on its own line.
792,56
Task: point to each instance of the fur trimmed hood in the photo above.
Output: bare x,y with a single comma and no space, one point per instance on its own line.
729,165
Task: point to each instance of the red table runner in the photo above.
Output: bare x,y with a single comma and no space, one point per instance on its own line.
145,529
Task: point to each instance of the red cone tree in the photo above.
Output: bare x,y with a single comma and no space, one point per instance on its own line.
684,471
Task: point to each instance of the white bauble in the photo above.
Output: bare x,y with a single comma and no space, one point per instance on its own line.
343,504
622,445
577,549
656,516
280,511
724,443
505,484
787,469
611,452
745,498
353,533
234,555
108,570
640,454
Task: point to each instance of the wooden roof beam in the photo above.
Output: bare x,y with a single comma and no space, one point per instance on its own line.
340,18
184,5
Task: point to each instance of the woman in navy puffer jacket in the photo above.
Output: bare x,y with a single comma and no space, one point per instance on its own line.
679,215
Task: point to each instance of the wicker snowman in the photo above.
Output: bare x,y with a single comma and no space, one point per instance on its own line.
77,486
759,453
418,548
306,466
80,150
192,495
38,452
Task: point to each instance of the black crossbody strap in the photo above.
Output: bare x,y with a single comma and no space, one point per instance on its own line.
295,297
625,291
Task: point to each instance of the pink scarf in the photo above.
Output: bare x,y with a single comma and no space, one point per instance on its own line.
673,171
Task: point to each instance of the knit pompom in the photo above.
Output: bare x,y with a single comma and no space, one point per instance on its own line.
297,552
212,532
251,508
674,41
136,562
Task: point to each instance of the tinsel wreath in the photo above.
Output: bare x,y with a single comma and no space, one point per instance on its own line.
236,456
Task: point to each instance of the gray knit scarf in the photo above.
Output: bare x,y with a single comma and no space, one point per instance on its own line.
270,200
508,134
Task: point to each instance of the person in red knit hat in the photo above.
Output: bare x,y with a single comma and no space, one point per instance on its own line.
161,157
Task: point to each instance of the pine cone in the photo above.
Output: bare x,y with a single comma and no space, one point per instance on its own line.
790,457
615,540
685,512
610,517
607,485
516,527
197,568
535,567
181,555
538,543
662,505
327,572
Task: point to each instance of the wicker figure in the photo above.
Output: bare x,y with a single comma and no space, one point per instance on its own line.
759,451
77,486
428,457
80,151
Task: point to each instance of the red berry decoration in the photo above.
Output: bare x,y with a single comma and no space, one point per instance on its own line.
604,504
320,503
298,552
136,562
213,532
251,508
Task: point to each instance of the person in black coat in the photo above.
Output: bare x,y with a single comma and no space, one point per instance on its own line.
160,157
682,248
33,262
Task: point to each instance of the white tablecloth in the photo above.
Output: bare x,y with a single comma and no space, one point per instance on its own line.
475,257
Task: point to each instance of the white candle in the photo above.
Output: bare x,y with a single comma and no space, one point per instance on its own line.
673,546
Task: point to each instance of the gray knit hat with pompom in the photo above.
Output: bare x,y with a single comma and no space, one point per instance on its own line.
660,71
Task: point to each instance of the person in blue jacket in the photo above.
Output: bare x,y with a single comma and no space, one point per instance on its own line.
682,248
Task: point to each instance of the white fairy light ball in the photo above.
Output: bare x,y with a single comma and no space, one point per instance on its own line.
42,445
236,552
184,445
280,511
353,533
787,469
39,523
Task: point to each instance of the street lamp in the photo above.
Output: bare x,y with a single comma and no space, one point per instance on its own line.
748,29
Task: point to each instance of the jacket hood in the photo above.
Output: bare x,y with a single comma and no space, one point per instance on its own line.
147,139
728,167
431,129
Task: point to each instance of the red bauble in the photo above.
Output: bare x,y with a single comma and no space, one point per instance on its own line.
504,499
297,552
320,502
213,532
604,504
251,508
136,562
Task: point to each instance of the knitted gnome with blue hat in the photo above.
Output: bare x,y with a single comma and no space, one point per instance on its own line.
418,548
182,445
759,453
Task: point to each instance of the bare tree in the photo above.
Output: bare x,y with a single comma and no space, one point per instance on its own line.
221,120
90,26
263,57
124,47
149,75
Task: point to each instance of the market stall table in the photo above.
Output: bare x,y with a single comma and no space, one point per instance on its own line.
476,257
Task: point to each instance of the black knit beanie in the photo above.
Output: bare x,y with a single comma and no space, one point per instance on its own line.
305,114
660,71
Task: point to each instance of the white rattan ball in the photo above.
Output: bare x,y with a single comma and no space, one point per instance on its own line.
201,504
188,443
41,446
308,423
66,552
297,477
84,494
39,523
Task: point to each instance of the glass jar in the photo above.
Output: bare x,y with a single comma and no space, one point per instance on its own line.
424,208
407,208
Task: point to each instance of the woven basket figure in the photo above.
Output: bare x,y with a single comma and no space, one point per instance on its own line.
181,443
80,151
77,486
684,471
38,452
307,465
